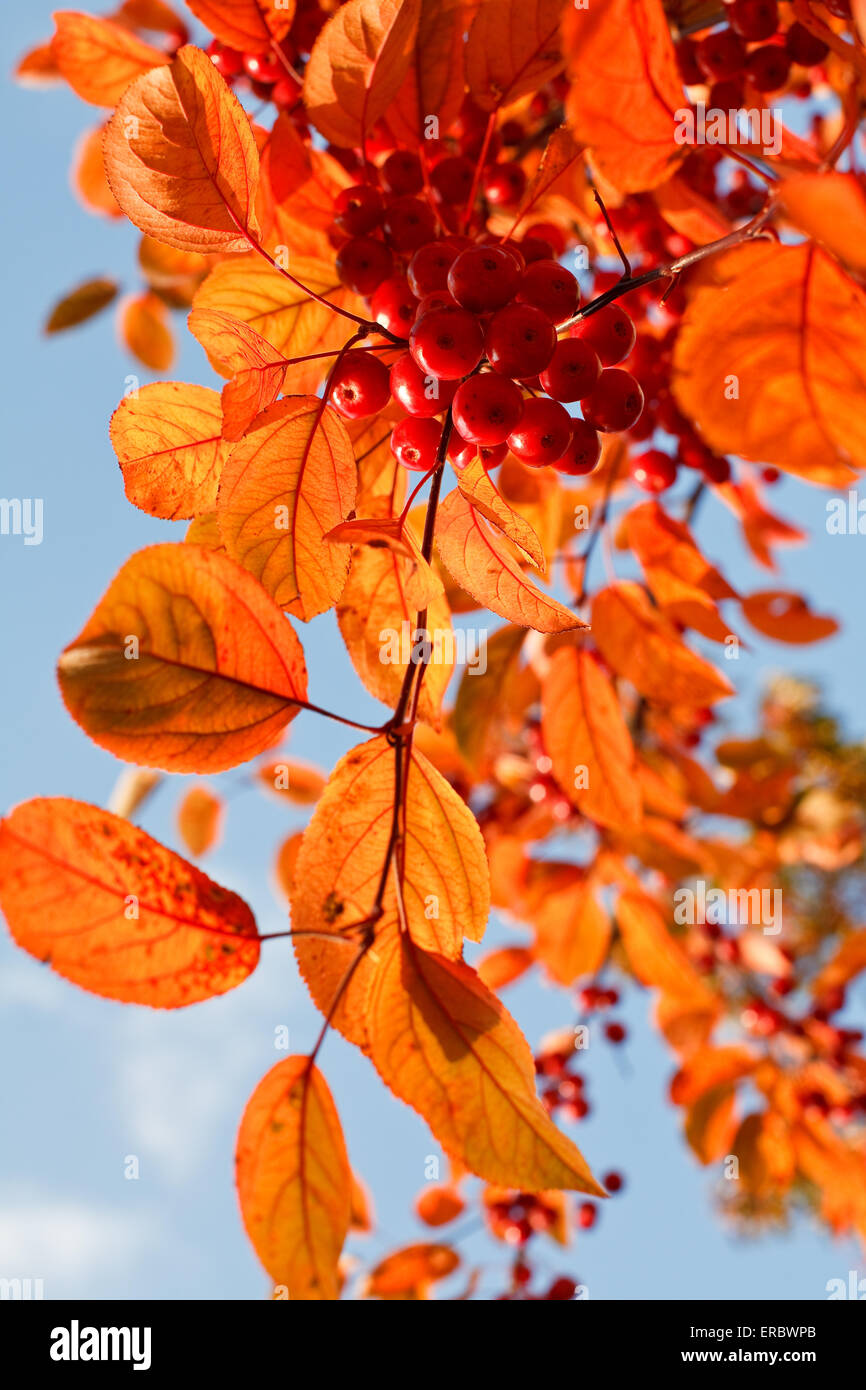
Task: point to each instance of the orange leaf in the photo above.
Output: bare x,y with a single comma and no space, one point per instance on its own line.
481,565
786,617
287,858
711,1124
81,304
249,25
560,153
285,484
500,968
100,59
641,645
408,1273
588,740
513,48
88,175
168,442
445,1045
831,208
38,67
655,956
257,370
144,330
480,490
770,360
625,89
357,67
117,913
437,1205
482,697
199,819
185,664
433,84
181,158
708,1068
572,932
297,782
294,1181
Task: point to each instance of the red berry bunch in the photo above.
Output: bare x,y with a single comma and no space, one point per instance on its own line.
275,74
750,52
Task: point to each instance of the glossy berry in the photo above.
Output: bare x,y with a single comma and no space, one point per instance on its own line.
616,401
543,434
582,452
609,331
520,341
483,278
491,455
452,179
534,248
572,371
804,47
615,1032
394,305
486,409
720,55
754,19
428,268
360,385
653,471
767,67
408,223
286,93
460,451
263,67
229,62
561,1290
359,210
614,1182
401,173
549,232
362,264
447,343
587,1215
418,393
437,299
415,442
503,185
548,286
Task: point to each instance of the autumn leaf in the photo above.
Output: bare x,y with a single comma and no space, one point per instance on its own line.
287,482
560,153
587,739
830,207
513,48
770,360
249,25
257,369
144,330
625,89
100,59
572,930
199,818
709,1068
786,617
181,158
482,697
81,304
481,565
655,956
294,1181
482,493
711,1124
88,175
186,664
168,441
502,967
433,84
357,67
439,1204
117,913
38,67
641,645
297,782
408,1273
445,1045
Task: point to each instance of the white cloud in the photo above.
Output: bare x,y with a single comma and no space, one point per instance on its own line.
60,1239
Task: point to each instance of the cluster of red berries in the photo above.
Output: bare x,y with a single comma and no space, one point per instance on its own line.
750,49
561,1289
519,1216
275,73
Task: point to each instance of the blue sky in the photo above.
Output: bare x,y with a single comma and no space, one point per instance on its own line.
86,1082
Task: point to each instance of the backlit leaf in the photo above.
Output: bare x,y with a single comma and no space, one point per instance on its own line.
641,645
513,48
81,304
433,84
168,441
480,490
100,59
249,25
199,819
357,67
257,370
144,329
786,617
655,956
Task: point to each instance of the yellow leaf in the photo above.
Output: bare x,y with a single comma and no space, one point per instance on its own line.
168,441
357,67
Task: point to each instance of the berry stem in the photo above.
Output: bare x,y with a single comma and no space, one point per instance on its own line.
476,177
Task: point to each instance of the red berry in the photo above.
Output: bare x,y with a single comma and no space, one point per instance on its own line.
548,286
721,54
452,179
362,264
572,371
804,47
263,67
491,455
616,401
419,394
767,67
535,248
520,341
511,248
487,408
229,62
587,1215
360,385
770,475
483,278
582,452
359,210
408,224
460,451
726,95
401,173
754,19
438,299
716,469
286,93
654,471
614,1182
503,185
609,331
472,145
428,268
394,305
549,232
543,434
687,62
447,343
615,1032
415,443
561,1289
